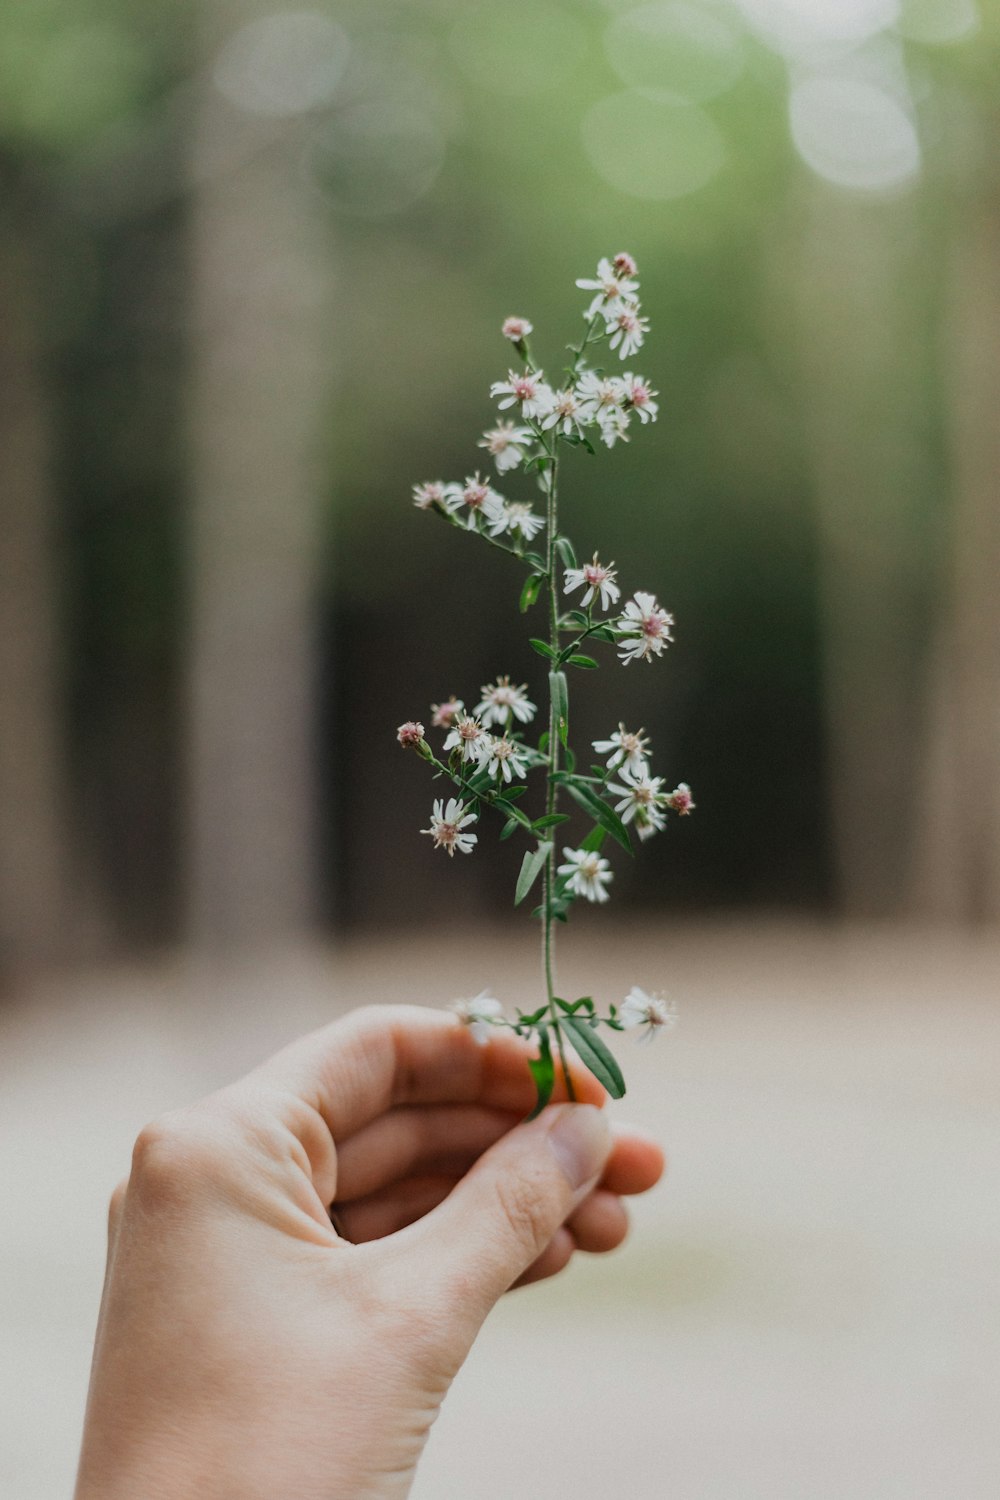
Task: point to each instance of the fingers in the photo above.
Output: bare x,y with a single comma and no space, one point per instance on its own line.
502,1215
434,1138
379,1057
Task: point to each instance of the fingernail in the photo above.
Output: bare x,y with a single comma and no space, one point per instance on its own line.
580,1142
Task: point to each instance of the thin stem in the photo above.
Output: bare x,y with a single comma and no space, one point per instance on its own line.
552,790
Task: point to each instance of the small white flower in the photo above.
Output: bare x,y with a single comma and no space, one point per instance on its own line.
600,397
629,751
434,492
527,391
680,800
644,629
517,329
642,800
505,757
614,428
587,874
507,444
518,517
467,734
564,413
627,329
639,398
598,578
624,264
447,822
480,498
614,284
500,700
478,1014
444,713
652,1012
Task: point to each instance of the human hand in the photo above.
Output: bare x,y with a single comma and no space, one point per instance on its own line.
244,1347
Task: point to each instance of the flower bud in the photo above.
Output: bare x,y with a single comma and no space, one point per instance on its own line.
410,734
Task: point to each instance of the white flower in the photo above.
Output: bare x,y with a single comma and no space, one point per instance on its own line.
642,801
564,413
639,397
517,329
467,733
444,713
653,1012
587,874
644,628
680,800
478,1014
600,396
626,328
504,756
446,827
614,428
518,517
507,444
629,751
614,284
500,700
624,264
528,391
598,579
434,492
480,499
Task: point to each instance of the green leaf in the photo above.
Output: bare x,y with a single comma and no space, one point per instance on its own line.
502,805
570,1008
543,1071
531,867
581,661
550,820
509,827
603,633
565,549
586,443
599,810
540,461
530,592
594,840
537,561
595,1054
543,648
560,702
575,620
543,743
570,759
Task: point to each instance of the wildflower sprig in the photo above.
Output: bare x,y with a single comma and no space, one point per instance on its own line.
486,753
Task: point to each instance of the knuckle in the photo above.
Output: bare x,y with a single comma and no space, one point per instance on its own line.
170,1155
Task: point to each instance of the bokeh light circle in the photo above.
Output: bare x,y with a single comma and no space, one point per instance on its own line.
376,159
652,146
676,47
854,133
284,64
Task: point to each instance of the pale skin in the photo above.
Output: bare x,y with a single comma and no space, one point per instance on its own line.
246,1350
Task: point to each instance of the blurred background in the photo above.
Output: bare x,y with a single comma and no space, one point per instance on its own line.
253,264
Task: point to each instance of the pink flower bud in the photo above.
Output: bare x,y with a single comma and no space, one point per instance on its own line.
410,734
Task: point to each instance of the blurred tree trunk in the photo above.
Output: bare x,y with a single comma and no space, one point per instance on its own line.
32,826
259,401
958,866
862,363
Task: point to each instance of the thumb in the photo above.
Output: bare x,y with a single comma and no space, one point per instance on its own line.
499,1218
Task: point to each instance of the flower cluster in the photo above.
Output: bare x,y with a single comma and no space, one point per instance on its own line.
486,750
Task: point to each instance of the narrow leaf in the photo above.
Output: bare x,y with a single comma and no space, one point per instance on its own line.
595,1054
594,840
600,811
542,1071
508,828
565,549
531,867
560,702
550,820
543,648
530,592
581,661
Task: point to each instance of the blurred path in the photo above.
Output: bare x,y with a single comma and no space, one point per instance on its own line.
809,1310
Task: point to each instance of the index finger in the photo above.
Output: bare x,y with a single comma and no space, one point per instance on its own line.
380,1056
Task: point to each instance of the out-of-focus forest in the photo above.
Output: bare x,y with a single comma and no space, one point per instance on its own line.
253,264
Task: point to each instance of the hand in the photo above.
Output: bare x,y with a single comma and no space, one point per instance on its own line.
246,1349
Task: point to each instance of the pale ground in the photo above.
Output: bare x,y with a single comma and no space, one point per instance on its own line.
808,1310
